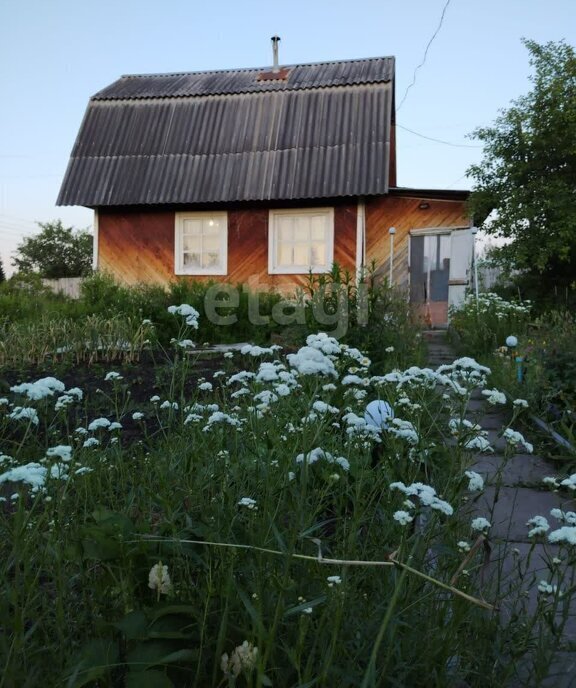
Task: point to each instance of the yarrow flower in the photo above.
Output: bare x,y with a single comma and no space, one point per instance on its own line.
188,312
480,524
539,525
24,413
243,658
333,580
112,376
494,396
159,579
248,502
516,439
45,387
403,517
63,452
546,589
476,482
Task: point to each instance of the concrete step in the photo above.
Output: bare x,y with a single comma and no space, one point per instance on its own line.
520,469
509,509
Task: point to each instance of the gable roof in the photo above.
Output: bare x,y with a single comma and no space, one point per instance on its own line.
319,131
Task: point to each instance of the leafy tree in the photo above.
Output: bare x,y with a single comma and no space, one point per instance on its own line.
528,172
57,251
2,274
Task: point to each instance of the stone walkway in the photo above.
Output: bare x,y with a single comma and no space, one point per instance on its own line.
514,494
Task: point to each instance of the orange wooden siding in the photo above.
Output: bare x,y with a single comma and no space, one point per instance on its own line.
138,247
405,215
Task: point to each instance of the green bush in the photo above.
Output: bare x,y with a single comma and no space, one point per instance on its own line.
482,325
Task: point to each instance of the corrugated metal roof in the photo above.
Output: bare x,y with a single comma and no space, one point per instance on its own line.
225,82
166,140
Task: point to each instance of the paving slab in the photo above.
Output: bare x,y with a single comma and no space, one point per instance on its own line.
510,508
521,469
493,421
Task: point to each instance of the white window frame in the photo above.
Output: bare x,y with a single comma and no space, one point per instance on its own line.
179,267
274,269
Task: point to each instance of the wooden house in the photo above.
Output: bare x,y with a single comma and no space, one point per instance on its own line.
260,175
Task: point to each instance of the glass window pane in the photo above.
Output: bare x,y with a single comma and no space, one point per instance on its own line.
191,260
191,243
192,226
301,254
285,228
285,255
210,259
318,228
302,229
318,254
211,243
211,228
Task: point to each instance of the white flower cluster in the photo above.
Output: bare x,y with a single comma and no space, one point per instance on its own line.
488,302
159,579
243,658
311,361
45,387
426,494
190,314
480,524
516,439
476,482
319,454
494,396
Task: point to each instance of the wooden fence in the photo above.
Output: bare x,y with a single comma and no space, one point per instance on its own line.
70,286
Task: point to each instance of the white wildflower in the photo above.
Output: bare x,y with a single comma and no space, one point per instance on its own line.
33,474
311,361
45,387
494,396
159,579
546,589
476,482
24,413
403,517
480,524
569,482
188,312
539,525
62,451
516,439
248,502
113,376
98,423
566,534
243,658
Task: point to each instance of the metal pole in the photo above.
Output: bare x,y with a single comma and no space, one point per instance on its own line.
474,231
392,232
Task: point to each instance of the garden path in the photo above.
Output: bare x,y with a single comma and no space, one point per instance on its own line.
514,494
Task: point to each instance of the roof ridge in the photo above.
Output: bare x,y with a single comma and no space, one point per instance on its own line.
257,69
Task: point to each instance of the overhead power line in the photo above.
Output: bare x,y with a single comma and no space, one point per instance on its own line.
431,138
425,54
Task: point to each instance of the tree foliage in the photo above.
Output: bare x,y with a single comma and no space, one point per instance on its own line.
56,251
528,171
2,273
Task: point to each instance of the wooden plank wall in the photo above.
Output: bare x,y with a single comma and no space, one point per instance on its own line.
404,214
138,246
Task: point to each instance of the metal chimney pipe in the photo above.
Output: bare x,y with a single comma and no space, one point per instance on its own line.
275,40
